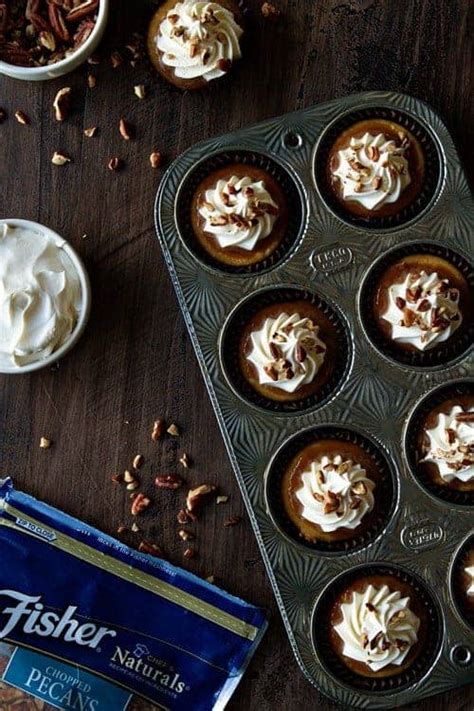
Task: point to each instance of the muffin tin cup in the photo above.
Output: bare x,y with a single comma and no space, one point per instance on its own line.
441,355
230,343
374,393
422,409
385,492
433,168
457,581
423,662
281,174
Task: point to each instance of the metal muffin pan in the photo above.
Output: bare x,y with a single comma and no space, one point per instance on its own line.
376,396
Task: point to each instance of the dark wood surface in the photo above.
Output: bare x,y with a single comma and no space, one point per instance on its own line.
135,362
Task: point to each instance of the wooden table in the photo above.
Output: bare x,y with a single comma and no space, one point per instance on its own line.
135,362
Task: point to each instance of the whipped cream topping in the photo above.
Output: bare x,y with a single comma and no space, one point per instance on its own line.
287,352
423,310
451,444
40,296
199,40
335,493
470,572
238,212
378,628
373,170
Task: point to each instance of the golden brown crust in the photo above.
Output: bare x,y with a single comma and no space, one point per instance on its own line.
414,155
236,256
326,333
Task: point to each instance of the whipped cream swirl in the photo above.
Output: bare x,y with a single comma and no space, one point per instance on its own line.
423,310
199,40
40,296
470,573
373,170
238,212
335,493
287,352
451,444
378,628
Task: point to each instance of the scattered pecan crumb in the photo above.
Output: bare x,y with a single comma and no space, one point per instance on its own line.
185,535
155,159
168,481
222,499
211,579
90,132
185,461
91,81
61,103
158,429
183,517
84,236
138,461
128,476
94,59
60,158
173,430
45,443
115,164
122,529
125,129
22,118
139,504
270,12
189,553
133,485
151,548
232,521
139,91
135,527
116,59
195,496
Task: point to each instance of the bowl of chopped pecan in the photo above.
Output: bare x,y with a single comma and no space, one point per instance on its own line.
44,39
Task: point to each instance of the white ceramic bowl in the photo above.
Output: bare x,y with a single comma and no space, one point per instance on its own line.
51,71
86,299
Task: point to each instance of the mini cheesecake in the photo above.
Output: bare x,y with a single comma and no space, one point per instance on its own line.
239,215
288,350
192,43
421,302
375,168
462,582
378,626
329,490
445,444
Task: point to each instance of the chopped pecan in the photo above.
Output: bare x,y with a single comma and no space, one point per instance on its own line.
373,153
409,317
151,548
115,164
158,429
300,353
139,504
271,372
359,488
155,159
168,481
465,417
424,305
22,118
195,496
400,303
270,12
61,103
125,130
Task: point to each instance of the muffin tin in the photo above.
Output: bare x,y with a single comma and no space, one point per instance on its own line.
373,398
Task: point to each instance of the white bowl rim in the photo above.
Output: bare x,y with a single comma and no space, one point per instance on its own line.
85,292
63,63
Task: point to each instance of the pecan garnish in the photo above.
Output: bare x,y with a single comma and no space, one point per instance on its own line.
22,118
465,417
125,130
274,350
373,153
270,371
376,182
224,65
155,159
300,353
413,294
114,163
409,317
424,305
401,303
158,429
359,488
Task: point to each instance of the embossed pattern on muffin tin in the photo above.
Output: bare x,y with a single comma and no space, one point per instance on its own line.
332,257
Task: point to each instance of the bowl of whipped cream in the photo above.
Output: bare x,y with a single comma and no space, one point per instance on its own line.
45,296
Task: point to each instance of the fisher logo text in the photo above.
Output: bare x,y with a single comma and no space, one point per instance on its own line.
26,613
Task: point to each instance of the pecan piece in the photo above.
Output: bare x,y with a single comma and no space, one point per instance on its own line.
408,317
125,130
424,305
270,12
82,11
224,65
168,481
300,353
465,417
61,103
195,496
57,22
232,521
22,118
158,429
151,548
400,303
139,504
155,159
